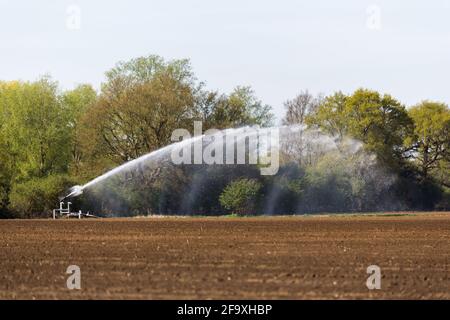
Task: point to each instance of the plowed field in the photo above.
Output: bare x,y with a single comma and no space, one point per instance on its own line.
311,257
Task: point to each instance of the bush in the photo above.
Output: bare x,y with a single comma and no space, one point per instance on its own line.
38,196
240,196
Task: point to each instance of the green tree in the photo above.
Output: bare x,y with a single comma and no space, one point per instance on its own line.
145,99
138,71
34,135
7,158
75,104
37,197
239,108
240,196
431,141
139,120
37,129
380,121
330,115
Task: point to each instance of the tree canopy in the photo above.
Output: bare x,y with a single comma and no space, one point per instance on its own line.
51,139
380,121
49,136
430,145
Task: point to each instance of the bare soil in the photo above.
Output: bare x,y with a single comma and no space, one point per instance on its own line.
320,257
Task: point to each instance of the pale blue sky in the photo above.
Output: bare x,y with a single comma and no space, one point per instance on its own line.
277,47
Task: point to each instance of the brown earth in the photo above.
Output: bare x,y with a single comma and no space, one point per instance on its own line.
230,258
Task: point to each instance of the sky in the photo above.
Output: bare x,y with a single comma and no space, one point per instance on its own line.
278,47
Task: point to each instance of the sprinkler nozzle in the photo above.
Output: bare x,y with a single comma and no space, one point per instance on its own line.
75,191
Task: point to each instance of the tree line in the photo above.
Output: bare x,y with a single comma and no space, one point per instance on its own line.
52,139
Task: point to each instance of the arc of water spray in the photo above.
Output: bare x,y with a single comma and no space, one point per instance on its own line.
78,190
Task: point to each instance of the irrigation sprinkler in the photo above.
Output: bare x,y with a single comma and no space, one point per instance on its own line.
74,192
62,210
65,211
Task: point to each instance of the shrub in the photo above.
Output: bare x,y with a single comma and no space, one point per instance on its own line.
240,196
38,196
